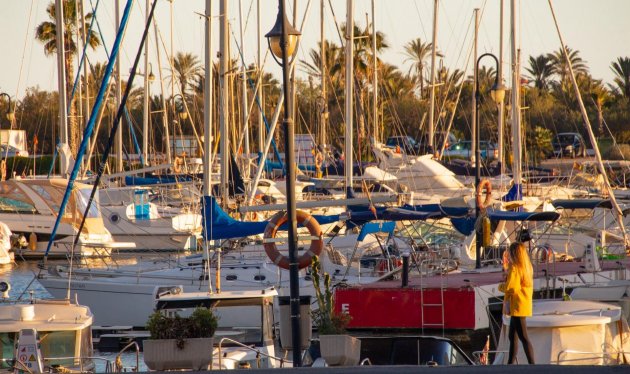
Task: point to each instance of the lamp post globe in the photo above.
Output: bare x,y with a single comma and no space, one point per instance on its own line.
274,37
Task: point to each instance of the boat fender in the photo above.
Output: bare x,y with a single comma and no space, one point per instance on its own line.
32,241
484,184
305,220
487,231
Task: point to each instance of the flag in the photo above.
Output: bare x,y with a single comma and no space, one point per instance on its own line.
483,359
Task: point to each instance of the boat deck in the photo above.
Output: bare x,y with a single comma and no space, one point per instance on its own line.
460,300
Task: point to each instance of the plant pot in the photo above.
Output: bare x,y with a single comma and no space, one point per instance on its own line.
163,354
340,350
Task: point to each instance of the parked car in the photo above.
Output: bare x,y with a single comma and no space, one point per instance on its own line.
11,151
438,139
405,144
463,149
569,144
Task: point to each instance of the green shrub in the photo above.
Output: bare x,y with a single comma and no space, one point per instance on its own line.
201,324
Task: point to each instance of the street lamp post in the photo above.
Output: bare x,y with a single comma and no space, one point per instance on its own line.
498,94
282,40
10,112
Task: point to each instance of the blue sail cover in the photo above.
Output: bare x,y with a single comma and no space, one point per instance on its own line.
376,227
582,203
515,193
508,215
219,225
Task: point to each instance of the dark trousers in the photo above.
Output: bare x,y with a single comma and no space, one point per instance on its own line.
518,330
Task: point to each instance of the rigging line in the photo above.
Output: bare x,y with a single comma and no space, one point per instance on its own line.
117,121
83,55
415,3
337,28
90,127
26,38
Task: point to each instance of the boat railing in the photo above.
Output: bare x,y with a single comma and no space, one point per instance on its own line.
477,356
366,361
591,356
259,353
83,367
118,361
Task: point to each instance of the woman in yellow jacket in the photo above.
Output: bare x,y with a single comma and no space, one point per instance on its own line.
518,289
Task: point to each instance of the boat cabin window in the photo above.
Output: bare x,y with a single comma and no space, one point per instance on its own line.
8,205
7,339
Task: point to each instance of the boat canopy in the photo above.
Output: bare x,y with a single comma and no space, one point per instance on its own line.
582,203
217,224
508,215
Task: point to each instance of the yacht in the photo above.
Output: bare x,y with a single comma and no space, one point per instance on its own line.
41,335
29,207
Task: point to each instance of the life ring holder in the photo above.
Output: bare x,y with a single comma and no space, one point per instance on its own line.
488,200
305,220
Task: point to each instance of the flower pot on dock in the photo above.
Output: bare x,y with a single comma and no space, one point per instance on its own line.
163,354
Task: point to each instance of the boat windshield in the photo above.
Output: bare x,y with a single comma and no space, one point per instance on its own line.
233,325
53,344
82,197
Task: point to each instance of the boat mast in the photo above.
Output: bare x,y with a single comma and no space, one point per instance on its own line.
61,82
223,104
207,103
500,123
244,103
323,114
259,92
591,135
145,103
167,134
433,54
375,132
516,103
473,136
119,133
349,92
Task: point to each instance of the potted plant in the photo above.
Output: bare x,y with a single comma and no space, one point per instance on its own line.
180,342
336,346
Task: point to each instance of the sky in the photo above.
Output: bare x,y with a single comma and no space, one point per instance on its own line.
597,28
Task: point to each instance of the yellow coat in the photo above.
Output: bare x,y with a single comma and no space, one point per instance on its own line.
518,289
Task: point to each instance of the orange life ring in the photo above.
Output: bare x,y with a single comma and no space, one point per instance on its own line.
177,165
488,186
305,220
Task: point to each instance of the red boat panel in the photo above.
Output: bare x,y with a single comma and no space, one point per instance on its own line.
403,308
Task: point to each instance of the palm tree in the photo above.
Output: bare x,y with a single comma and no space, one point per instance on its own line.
46,33
187,70
540,70
417,52
621,68
560,66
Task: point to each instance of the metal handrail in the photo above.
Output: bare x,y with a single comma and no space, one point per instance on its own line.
258,352
595,354
118,361
365,361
